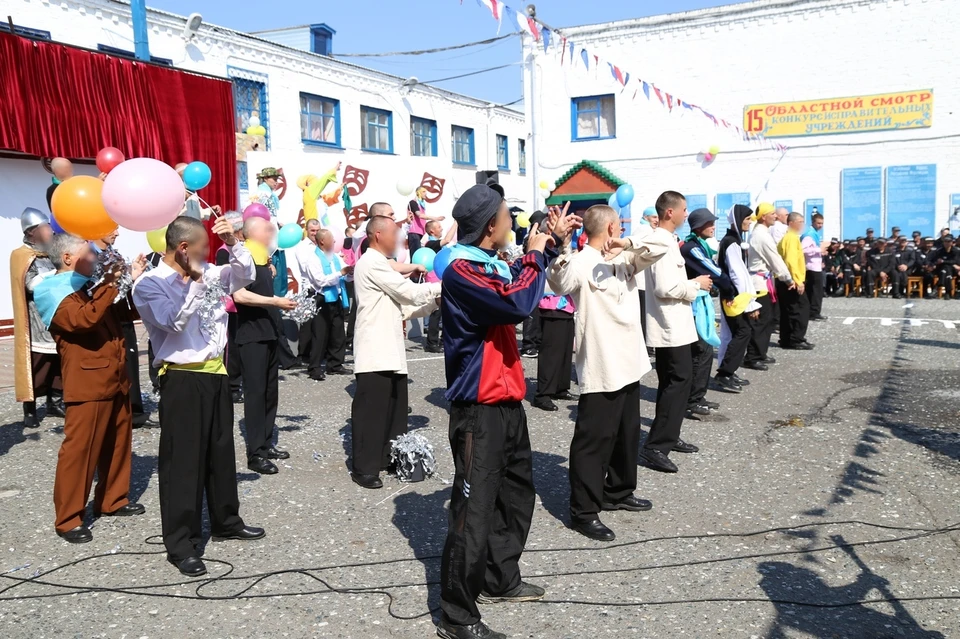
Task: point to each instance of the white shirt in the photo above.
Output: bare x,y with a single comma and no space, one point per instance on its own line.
384,299
763,257
168,306
311,268
668,296
778,230
608,304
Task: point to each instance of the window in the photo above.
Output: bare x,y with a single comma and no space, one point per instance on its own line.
522,159
423,137
593,118
122,53
376,130
242,174
503,153
463,145
26,32
319,120
321,39
249,99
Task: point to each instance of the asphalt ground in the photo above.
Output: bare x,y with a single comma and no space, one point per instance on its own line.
850,451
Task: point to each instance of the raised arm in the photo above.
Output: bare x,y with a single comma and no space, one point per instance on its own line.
75,315
497,301
158,308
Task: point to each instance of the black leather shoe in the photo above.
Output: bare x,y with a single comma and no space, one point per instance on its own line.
657,461
566,396
55,408
432,349
632,503
367,481
544,403
30,418
594,530
769,360
727,384
247,533
139,419
263,466
824,318
683,447
802,346
409,410
191,566
756,366
692,416
739,380
711,405
317,377
340,370
129,510
277,453
79,535
479,630
237,397
523,592
699,409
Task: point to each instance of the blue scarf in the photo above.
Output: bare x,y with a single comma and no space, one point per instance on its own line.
50,292
491,263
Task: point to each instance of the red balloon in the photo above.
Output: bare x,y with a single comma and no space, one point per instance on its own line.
108,158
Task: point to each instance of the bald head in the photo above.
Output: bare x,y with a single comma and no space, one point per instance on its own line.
378,209
382,235
598,220
325,240
62,168
259,230
782,214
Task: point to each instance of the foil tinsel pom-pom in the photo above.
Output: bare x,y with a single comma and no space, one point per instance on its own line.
409,451
306,307
212,305
107,260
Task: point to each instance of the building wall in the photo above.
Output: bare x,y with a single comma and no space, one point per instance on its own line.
760,52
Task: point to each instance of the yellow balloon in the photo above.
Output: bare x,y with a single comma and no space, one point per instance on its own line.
523,220
157,240
714,150
543,184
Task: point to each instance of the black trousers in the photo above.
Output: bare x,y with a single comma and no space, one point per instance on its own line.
675,375
872,279
284,352
261,367
413,242
643,320
328,336
761,330
154,370
899,280
234,367
196,454
813,289
701,355
133,366
556,353
433,329
603,453
794,315
741,330
352,313
491,506
379,415
305,341
531,332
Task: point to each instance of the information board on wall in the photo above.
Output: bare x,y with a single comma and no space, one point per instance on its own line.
812,206
953,216
860,200
694,202
784,204
911,198
725,202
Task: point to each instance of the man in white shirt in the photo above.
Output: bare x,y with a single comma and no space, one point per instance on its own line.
302,253
671,332
324,272
779,228
385,298
181,305
764,262
601,279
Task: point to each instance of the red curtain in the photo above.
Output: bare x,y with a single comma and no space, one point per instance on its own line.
62,101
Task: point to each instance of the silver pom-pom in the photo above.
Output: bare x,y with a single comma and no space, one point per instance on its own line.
107,261
306,306
212,308
412,456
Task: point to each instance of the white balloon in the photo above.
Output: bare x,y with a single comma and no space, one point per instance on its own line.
405,186
544,193
254,121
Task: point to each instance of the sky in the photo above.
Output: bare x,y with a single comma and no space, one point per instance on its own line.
377,26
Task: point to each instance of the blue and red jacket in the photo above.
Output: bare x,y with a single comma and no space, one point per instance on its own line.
480,311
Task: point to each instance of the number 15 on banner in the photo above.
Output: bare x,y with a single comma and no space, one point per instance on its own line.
755,121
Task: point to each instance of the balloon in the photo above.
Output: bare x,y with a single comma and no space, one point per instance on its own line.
196,176
552,187
259,130
254,121
78,205
612,202
624,194
543,184
425,258
442,261
143,194
251,130
544,193
714,150
256,210
108,159
337,239
157,240
54,225
405,187
708,157
523,220
289,236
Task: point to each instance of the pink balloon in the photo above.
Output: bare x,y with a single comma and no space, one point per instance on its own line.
143,194
256,210
708,157
337,239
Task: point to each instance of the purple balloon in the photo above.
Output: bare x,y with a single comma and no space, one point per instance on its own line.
256,210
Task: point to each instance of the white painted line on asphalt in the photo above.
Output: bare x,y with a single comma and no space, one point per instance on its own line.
913,321
424,359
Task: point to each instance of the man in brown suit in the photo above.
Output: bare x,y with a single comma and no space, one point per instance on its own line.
87,327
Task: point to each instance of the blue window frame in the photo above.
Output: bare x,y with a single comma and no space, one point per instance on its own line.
376,130
503,153
319,120
423,137
522,159
26,32
123,53
593,118
463,149
250,99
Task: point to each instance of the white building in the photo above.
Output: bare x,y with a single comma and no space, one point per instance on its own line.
751,62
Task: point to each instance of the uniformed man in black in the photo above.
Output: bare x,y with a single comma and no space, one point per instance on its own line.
904,259
831,267
947,266
879,267
849,262
923,264
870,240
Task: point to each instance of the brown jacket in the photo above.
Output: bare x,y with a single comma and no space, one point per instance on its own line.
90,342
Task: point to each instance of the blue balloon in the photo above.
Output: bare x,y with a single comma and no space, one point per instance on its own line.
196,176
55,225
289,236
624,195
612,202
442,261
425,258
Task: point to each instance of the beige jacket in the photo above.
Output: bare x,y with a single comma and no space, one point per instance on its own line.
668,296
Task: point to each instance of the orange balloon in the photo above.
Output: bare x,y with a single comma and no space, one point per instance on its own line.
78,207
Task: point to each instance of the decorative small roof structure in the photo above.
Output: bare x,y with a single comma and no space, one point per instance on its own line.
586,180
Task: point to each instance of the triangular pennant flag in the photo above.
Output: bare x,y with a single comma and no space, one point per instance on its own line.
546,39
670,102
571,51
646,90
585,57
613,71
626,78
531,27
659,95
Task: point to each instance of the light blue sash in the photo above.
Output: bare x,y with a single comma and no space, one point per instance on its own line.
491,263
50,292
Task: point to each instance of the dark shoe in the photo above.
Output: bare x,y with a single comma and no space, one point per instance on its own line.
139,419
79,535
263,466
340,370
129,510
544,403
692,416
683,447
727,384
802,346
237,397
432,349
823,318
756,366
739,381
658,461
711,405
699,409
409,410
367,481
55,408
479,630
317,377
594,530
190,567
530,353
566,396
30,415
632,503
277,453
523,592
247,533
769,360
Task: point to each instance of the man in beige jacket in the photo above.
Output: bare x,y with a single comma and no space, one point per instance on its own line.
602,281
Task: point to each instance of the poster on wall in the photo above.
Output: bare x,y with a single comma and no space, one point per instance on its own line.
724,204
860,200
911,198
695,202
812,206
953,216
784,204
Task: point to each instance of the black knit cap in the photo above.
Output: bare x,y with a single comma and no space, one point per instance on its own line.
474,210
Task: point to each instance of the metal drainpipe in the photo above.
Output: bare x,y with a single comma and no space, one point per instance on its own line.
138,13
